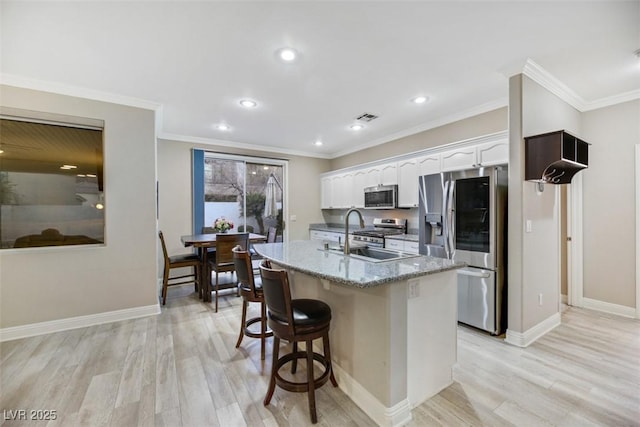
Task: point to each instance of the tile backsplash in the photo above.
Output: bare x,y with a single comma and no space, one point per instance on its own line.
336,216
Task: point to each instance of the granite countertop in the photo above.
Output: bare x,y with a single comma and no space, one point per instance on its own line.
307,256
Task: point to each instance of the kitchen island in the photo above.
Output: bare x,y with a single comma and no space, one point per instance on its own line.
393,331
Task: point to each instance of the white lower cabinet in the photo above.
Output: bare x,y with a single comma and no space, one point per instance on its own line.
331,236
401,245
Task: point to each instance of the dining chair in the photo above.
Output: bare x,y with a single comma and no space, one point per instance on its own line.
179,261
255,256
211,252
223,262
250,286
271,235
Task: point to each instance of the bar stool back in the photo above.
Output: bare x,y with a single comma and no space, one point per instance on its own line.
294,321
250,291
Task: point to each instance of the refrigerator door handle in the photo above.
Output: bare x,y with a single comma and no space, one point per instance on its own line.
450,218
481,274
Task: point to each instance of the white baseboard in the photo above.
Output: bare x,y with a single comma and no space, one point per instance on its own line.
607,307
524,339
33,329
395,416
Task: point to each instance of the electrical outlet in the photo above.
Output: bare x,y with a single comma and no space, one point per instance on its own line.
540,299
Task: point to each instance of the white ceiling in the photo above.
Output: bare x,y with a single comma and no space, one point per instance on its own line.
198,59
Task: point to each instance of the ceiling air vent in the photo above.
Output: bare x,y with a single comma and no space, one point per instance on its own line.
366,117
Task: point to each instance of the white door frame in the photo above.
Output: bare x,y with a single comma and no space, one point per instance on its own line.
575,249
637,231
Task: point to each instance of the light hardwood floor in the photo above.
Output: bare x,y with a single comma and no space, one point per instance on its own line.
181,368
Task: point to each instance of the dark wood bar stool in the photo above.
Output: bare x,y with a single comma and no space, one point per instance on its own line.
294,321
250,291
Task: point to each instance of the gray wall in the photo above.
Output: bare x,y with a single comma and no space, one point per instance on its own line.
47,284
174,177
609,203
534,258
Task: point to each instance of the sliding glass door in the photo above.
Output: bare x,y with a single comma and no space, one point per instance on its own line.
249,192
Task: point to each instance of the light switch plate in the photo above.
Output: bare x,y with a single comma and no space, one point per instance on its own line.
528,226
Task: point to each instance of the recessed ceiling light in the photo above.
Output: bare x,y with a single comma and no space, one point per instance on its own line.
356,127
287,54
247,103
420,99
222,127
1,151
317,143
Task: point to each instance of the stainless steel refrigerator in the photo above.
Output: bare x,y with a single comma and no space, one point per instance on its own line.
463,217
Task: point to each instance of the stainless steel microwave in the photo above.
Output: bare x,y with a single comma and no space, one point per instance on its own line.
381,197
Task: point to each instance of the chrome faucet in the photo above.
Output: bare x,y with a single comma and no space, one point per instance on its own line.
346,228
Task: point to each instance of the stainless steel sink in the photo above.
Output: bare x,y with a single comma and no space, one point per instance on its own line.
371,254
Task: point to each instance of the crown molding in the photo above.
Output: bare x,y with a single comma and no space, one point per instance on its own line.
548,81
76,91
613,100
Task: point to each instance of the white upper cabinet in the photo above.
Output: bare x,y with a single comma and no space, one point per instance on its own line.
475,156
458,159
493,153
325,192
386,174
359,182
343,190
408,183
428,165
389,174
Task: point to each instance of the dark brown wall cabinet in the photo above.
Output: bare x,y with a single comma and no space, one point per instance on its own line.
554,157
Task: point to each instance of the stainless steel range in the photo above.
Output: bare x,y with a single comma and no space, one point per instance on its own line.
381,227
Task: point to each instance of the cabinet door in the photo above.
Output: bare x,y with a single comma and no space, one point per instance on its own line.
317,235
373,177
428,165
337,192
357,191
325,192
397,245
459,159
346,191
493,153
411,247
408,183
389,174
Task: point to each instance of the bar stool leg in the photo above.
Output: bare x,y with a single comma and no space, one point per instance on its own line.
311,384
327,356
263,328
294,362
243,323
274,367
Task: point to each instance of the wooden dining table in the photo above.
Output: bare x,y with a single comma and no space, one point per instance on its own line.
203,242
